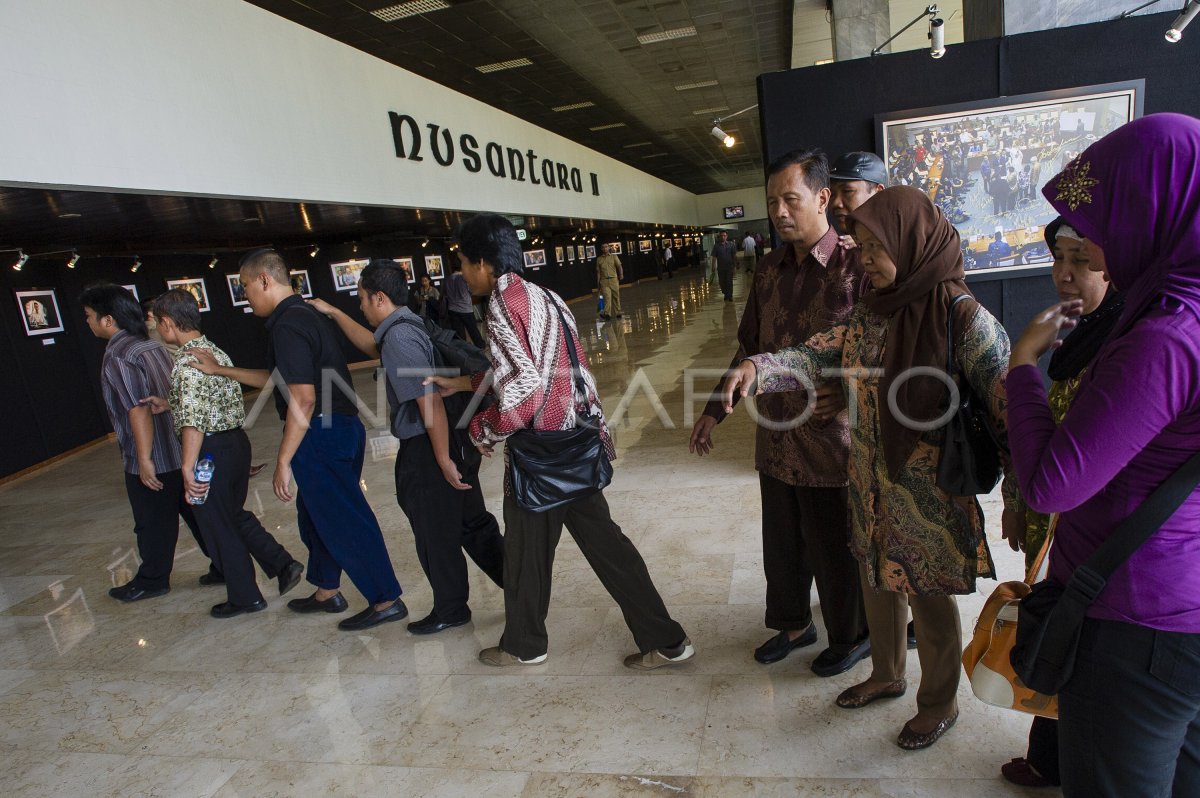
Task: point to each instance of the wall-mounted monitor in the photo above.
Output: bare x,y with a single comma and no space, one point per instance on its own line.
734,211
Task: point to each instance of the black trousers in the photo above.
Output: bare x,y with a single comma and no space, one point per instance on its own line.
529,542
806,537
1129,718
156,527
446,521
465,326
725,279
231,531
1043,747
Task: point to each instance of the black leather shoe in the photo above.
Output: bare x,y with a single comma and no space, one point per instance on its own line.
289,577
212,578
431,624
831,662
227,610
131,592
780,646
335,603
373,617
912,636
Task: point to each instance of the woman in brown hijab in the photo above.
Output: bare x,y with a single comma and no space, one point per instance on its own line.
916,545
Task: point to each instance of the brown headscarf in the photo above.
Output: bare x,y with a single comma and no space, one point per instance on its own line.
929,275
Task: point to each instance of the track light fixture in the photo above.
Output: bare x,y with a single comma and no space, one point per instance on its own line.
354,248
212,264
424,243
937,33
719,134
74,259
21,259
137,264
1189,12
313,252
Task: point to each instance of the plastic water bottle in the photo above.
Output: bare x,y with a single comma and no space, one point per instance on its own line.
204,475
600,304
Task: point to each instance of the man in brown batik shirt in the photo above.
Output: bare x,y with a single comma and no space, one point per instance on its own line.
805,286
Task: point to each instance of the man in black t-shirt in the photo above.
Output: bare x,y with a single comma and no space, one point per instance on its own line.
323,447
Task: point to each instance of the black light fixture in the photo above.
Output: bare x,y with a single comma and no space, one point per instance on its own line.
1132,11
937,33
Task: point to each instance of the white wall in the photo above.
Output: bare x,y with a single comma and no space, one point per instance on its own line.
221,98
710,207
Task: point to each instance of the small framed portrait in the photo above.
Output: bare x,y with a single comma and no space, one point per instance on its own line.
300,283
579,249
133,290
558,254
535,258
571,254
237,291
39,311
645,245
346,273
195,287
433,267
406,266
591,251
678,243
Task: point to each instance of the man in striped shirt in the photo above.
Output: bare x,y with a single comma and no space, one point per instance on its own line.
133,368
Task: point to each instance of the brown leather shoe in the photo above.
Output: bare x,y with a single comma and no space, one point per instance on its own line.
909,740
859,696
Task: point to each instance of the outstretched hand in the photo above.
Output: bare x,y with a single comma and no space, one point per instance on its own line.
1041,335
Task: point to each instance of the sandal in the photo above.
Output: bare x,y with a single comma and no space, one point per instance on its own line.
910,740
856,698
1019,771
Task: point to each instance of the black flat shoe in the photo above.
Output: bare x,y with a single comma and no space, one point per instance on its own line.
227,610
289,577
372,617
431,624
212,578
335,603
780,646
831,662
130,593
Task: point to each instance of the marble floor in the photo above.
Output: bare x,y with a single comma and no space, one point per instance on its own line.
158,699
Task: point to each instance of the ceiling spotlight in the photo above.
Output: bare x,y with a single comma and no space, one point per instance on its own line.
1175,32
723,137
937,37
137,264
424,243
21,258
74,259
313,253
212,264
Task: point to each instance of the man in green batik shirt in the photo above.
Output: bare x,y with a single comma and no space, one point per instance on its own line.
209,413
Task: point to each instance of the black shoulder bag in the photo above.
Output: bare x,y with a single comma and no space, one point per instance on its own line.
1050,618
550,468
970,458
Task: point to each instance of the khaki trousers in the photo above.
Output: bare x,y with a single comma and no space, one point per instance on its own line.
610,288
939,643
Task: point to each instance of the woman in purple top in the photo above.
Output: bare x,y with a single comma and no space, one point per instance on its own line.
1130,715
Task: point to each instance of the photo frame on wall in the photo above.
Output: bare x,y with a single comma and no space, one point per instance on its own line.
678,243
406,266
433,267
237,291
133,290
535,258
300,283
985,162
580,250
346,273
645,245
195,287
571,254
39,311
591,251
558,254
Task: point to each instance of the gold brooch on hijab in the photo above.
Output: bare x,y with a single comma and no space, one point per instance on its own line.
1074,187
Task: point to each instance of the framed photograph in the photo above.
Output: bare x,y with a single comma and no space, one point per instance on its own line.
195,287
678,243
645,245
535,258
237,292
300,282
346,273
433,267
39,311
406,266
579,249
133,290
591,251
558,254
985,163
571,254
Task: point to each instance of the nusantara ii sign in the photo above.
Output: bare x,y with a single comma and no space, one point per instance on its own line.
501,161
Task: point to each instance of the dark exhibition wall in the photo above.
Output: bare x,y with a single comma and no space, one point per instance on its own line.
50,395
833,106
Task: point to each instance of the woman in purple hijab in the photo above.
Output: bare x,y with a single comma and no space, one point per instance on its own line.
1130,715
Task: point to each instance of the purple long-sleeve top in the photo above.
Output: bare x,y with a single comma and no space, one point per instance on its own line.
1134,422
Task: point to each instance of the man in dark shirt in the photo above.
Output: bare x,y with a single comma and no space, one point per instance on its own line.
724,255
134,367
323,446
803,287
461,306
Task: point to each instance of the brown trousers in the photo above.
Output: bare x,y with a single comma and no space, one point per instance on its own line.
939,644
610,289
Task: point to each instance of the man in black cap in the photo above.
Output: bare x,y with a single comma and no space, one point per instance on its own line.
853,179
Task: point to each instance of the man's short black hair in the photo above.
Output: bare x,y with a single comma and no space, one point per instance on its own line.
812,160
107,299
383,276
268,261
180,307
492,238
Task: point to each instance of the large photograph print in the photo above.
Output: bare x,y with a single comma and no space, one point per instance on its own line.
985,162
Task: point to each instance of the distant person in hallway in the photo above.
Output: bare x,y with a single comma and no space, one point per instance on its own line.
916,546
749,252
609,275
530,329
133,368
724,258
429,300
801,286
323,447
667,257
460,307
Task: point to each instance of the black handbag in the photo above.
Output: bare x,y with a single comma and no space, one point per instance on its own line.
970,458
1050,618
550,468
